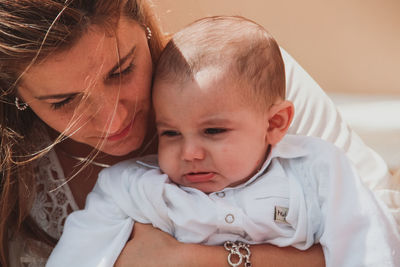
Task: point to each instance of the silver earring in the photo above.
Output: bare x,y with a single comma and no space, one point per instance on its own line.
148,33
20,105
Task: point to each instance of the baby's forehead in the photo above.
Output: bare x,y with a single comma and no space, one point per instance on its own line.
211,75
207,78
215,82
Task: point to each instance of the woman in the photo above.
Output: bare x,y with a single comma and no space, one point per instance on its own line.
75,81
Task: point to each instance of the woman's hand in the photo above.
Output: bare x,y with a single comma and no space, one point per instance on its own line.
149,247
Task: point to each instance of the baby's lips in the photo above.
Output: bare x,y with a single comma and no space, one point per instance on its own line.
199,177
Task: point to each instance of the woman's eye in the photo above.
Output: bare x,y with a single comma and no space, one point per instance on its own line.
169,133
213,131
62,103
123,72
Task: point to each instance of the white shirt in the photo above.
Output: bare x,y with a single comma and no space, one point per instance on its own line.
325,199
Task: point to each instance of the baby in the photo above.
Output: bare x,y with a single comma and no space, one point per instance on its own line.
227,170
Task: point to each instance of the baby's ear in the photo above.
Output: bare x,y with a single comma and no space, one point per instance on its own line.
280,116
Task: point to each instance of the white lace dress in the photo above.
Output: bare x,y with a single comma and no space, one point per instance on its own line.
54,201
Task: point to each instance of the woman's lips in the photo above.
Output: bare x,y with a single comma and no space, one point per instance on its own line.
121,134
199,177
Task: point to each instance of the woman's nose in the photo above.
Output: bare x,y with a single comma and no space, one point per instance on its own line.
192,150
111,115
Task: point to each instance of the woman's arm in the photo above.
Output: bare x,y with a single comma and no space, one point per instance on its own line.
152,247
262,255
316,115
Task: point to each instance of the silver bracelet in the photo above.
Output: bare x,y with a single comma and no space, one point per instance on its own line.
242,252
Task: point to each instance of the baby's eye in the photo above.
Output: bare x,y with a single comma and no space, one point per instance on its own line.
169,133
212,131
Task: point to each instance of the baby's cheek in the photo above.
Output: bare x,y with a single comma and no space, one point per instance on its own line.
163,162
234,168
241,169
167,164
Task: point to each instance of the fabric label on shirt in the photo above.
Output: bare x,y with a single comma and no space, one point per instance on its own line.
280,214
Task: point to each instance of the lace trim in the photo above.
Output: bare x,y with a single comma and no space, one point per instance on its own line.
51,208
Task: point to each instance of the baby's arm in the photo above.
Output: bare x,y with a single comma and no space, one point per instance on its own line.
96,235
358,228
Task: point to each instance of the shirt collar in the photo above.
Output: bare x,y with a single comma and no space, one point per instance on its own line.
287,148
150,161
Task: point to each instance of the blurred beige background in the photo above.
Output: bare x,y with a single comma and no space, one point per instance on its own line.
348,46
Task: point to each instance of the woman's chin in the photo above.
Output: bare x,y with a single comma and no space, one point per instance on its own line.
120,150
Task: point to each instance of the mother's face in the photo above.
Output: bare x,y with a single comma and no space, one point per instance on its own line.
98,91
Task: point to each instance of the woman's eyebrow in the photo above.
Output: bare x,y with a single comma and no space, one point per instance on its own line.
113,69
58,96
122,60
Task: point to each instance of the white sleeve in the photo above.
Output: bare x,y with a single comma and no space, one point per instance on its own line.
316,115
358,228
96,235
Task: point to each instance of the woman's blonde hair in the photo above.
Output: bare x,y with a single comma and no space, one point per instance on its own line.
30,30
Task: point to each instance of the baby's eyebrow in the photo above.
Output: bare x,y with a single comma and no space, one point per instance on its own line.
216,121
162,124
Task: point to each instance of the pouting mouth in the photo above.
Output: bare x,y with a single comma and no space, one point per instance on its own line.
199,177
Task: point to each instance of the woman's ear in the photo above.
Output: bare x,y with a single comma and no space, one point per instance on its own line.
280,116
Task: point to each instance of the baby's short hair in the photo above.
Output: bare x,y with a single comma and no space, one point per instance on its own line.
249,55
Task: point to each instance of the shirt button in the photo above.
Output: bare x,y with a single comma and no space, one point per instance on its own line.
221,194
229,218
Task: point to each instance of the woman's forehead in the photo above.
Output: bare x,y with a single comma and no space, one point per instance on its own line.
90,58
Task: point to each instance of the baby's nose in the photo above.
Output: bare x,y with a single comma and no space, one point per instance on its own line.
192,150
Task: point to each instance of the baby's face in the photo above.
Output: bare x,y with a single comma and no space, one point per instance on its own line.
209,138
